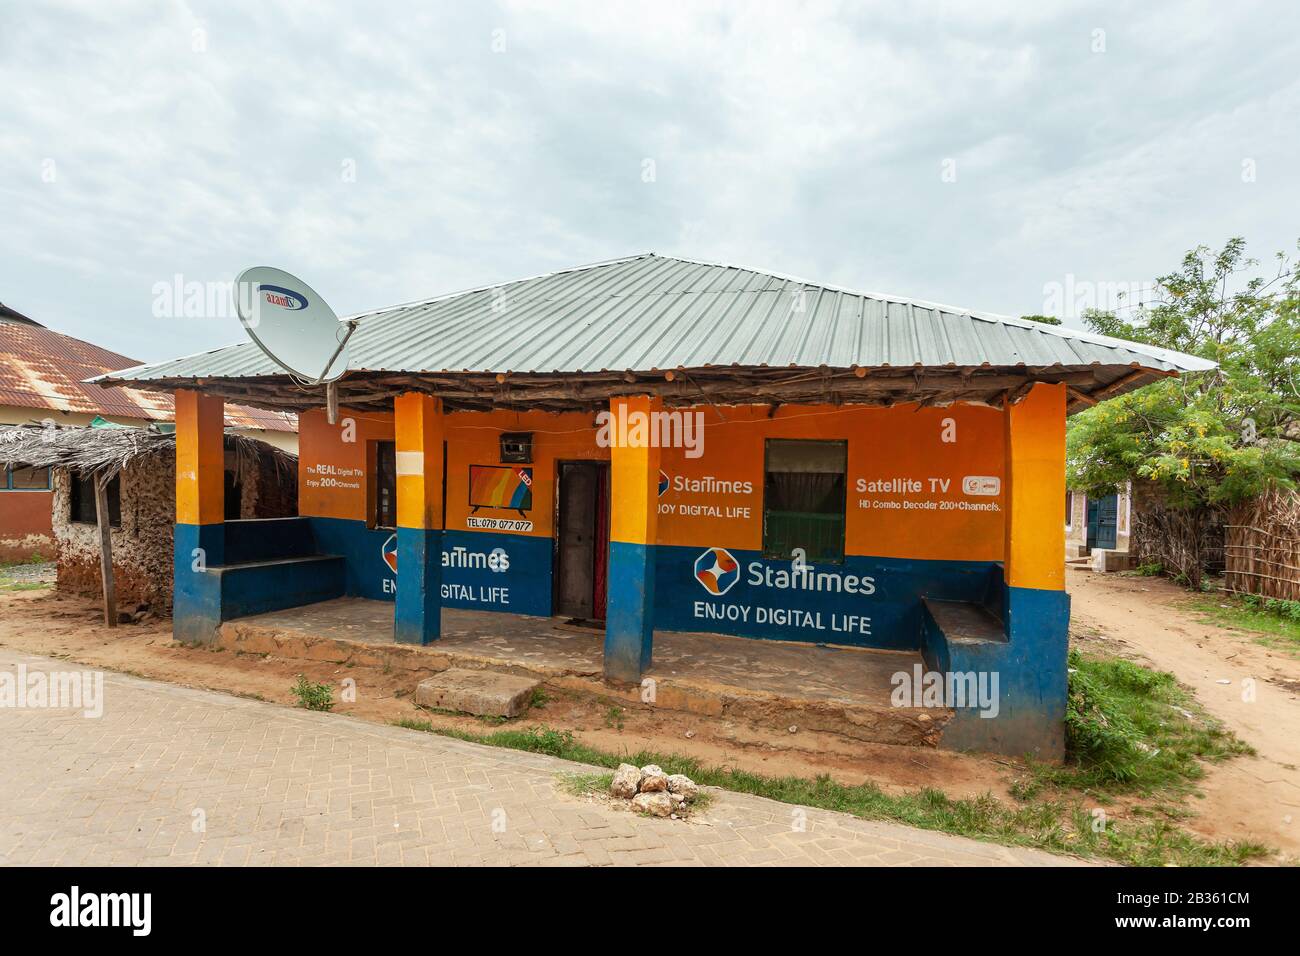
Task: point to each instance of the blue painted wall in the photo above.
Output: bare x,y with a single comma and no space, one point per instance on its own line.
1031,669
630,623
489,571
512,573
481,570
864,602
196,595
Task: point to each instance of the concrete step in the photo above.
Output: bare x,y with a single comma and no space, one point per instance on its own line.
1108,560
256,587
478,692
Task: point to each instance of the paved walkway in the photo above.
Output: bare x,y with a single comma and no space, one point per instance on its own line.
171,775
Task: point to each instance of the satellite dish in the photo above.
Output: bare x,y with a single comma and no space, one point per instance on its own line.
288,321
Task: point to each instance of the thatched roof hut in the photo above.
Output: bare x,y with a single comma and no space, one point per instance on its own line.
104,452
114,503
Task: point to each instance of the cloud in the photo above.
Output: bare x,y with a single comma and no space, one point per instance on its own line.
397,151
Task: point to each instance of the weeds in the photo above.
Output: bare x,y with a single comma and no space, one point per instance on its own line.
313,696
1130,729
1050,825
1278,622
614,717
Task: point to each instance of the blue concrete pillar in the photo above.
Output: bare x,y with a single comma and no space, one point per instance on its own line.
634,511
199,540
417,612
419,427
1036,608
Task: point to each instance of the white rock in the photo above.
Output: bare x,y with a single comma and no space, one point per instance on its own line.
681,785
626,780
656,804
653,779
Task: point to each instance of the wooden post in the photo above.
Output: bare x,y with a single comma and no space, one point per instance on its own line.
105,549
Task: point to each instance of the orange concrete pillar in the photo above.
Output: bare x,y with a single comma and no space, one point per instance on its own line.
419,428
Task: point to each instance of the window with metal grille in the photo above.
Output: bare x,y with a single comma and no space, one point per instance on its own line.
82,500
384,477
804,489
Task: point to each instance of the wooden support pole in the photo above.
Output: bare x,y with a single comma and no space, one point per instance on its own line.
105,549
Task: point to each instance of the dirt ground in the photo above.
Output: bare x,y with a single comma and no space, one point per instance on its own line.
58,625
1246,798
1151,619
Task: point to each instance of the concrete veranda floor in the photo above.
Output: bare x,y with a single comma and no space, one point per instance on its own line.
550,647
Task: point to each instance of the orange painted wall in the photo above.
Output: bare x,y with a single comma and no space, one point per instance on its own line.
474,438
1035,442
332,471
925,519
891,444
200,458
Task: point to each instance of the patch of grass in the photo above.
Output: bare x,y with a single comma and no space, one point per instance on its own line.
313,696
410,723
614,717
25,585
1277,621
583,784
1049,825
492,720
539,699
1130,729
35,558
1149,569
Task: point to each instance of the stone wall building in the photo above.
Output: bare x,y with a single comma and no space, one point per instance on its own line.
43,380
261,482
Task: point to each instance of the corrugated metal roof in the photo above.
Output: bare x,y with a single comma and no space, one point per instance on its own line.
44,370
654,312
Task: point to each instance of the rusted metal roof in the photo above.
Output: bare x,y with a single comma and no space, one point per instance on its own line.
46,371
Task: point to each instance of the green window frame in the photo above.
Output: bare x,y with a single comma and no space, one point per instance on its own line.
805,491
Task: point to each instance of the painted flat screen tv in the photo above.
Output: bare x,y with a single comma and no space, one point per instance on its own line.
500,486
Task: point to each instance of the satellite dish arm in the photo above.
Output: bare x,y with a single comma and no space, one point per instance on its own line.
352,327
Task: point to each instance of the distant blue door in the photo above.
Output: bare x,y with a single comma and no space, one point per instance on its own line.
1102,515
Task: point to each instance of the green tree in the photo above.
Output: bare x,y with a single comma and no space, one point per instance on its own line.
1213,438
1043,319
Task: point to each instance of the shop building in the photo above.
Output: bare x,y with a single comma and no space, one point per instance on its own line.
655,443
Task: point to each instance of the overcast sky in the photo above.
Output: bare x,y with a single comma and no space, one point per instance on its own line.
966,153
